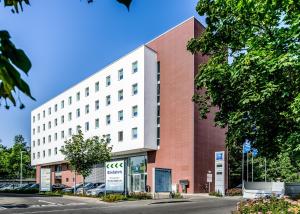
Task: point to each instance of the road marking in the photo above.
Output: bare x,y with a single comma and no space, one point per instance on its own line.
49,202
63,210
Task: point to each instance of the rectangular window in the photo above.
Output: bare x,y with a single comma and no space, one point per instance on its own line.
120,95
49,110
70,100
96,123
96,105
44,140
39,129
33,156
55,136
44,153
70,132
55,107
87,126
62,119
120,74
38,155
62,104
120,115
108,81
33,143
134,133
49,125
33,131
120,136
77,129
44,127
108,100
39,142
87,109
134,67
107,119
55,150
134,89
87,91
96,86
78,96
39,116
78,112
67,179
44,114
70,116
108,137
134,111
55,122
62,134
49,152
33,119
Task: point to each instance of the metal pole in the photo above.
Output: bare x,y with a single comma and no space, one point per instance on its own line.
21,169
243,167
208,187
74,182
252,167
247,168
265,170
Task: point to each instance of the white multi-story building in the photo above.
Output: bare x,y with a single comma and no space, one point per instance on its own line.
143,102
119,101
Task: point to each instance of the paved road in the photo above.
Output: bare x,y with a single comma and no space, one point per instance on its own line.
60,205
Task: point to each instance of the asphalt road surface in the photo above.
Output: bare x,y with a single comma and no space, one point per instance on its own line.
20,204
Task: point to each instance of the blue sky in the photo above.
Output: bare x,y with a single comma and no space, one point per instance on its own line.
69,40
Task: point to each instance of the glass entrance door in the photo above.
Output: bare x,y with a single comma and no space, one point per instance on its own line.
136,187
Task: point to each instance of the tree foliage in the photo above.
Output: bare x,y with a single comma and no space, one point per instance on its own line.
10,160
84,154
257,91
13,61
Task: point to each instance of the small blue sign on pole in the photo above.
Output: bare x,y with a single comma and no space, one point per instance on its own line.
246,146
254,152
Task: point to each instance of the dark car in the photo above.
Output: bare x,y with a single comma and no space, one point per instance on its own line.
71,189
56,187
33,187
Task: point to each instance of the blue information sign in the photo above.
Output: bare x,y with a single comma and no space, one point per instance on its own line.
246,146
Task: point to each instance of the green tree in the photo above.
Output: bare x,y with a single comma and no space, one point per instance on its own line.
256,92
84,154
13,60
3,161
14,159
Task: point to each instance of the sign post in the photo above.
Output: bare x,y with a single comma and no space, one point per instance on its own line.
114,176
45,179
209,180
220,172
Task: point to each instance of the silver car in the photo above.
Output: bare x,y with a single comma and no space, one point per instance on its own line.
100,190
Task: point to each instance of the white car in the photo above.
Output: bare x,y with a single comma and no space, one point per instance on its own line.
100,190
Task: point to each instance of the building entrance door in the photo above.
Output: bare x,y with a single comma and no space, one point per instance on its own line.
136,187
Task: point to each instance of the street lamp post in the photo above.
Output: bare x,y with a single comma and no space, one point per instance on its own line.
21,168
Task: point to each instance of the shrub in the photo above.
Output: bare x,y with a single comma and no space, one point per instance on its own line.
114,198
140,195
217,194
176,195
272,205
234,192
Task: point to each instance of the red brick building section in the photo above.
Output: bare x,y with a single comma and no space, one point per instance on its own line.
187,144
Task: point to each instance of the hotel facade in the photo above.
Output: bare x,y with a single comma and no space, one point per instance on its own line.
143,103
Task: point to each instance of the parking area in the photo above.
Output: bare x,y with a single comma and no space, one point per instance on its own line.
12,201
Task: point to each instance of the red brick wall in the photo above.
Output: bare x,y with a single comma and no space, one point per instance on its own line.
176,106
187,144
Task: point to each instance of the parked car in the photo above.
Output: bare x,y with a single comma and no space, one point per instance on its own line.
87,187
32,187
71,189
23,186
56,187
8,187
99,190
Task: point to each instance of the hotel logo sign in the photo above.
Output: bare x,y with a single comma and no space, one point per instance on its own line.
114,176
